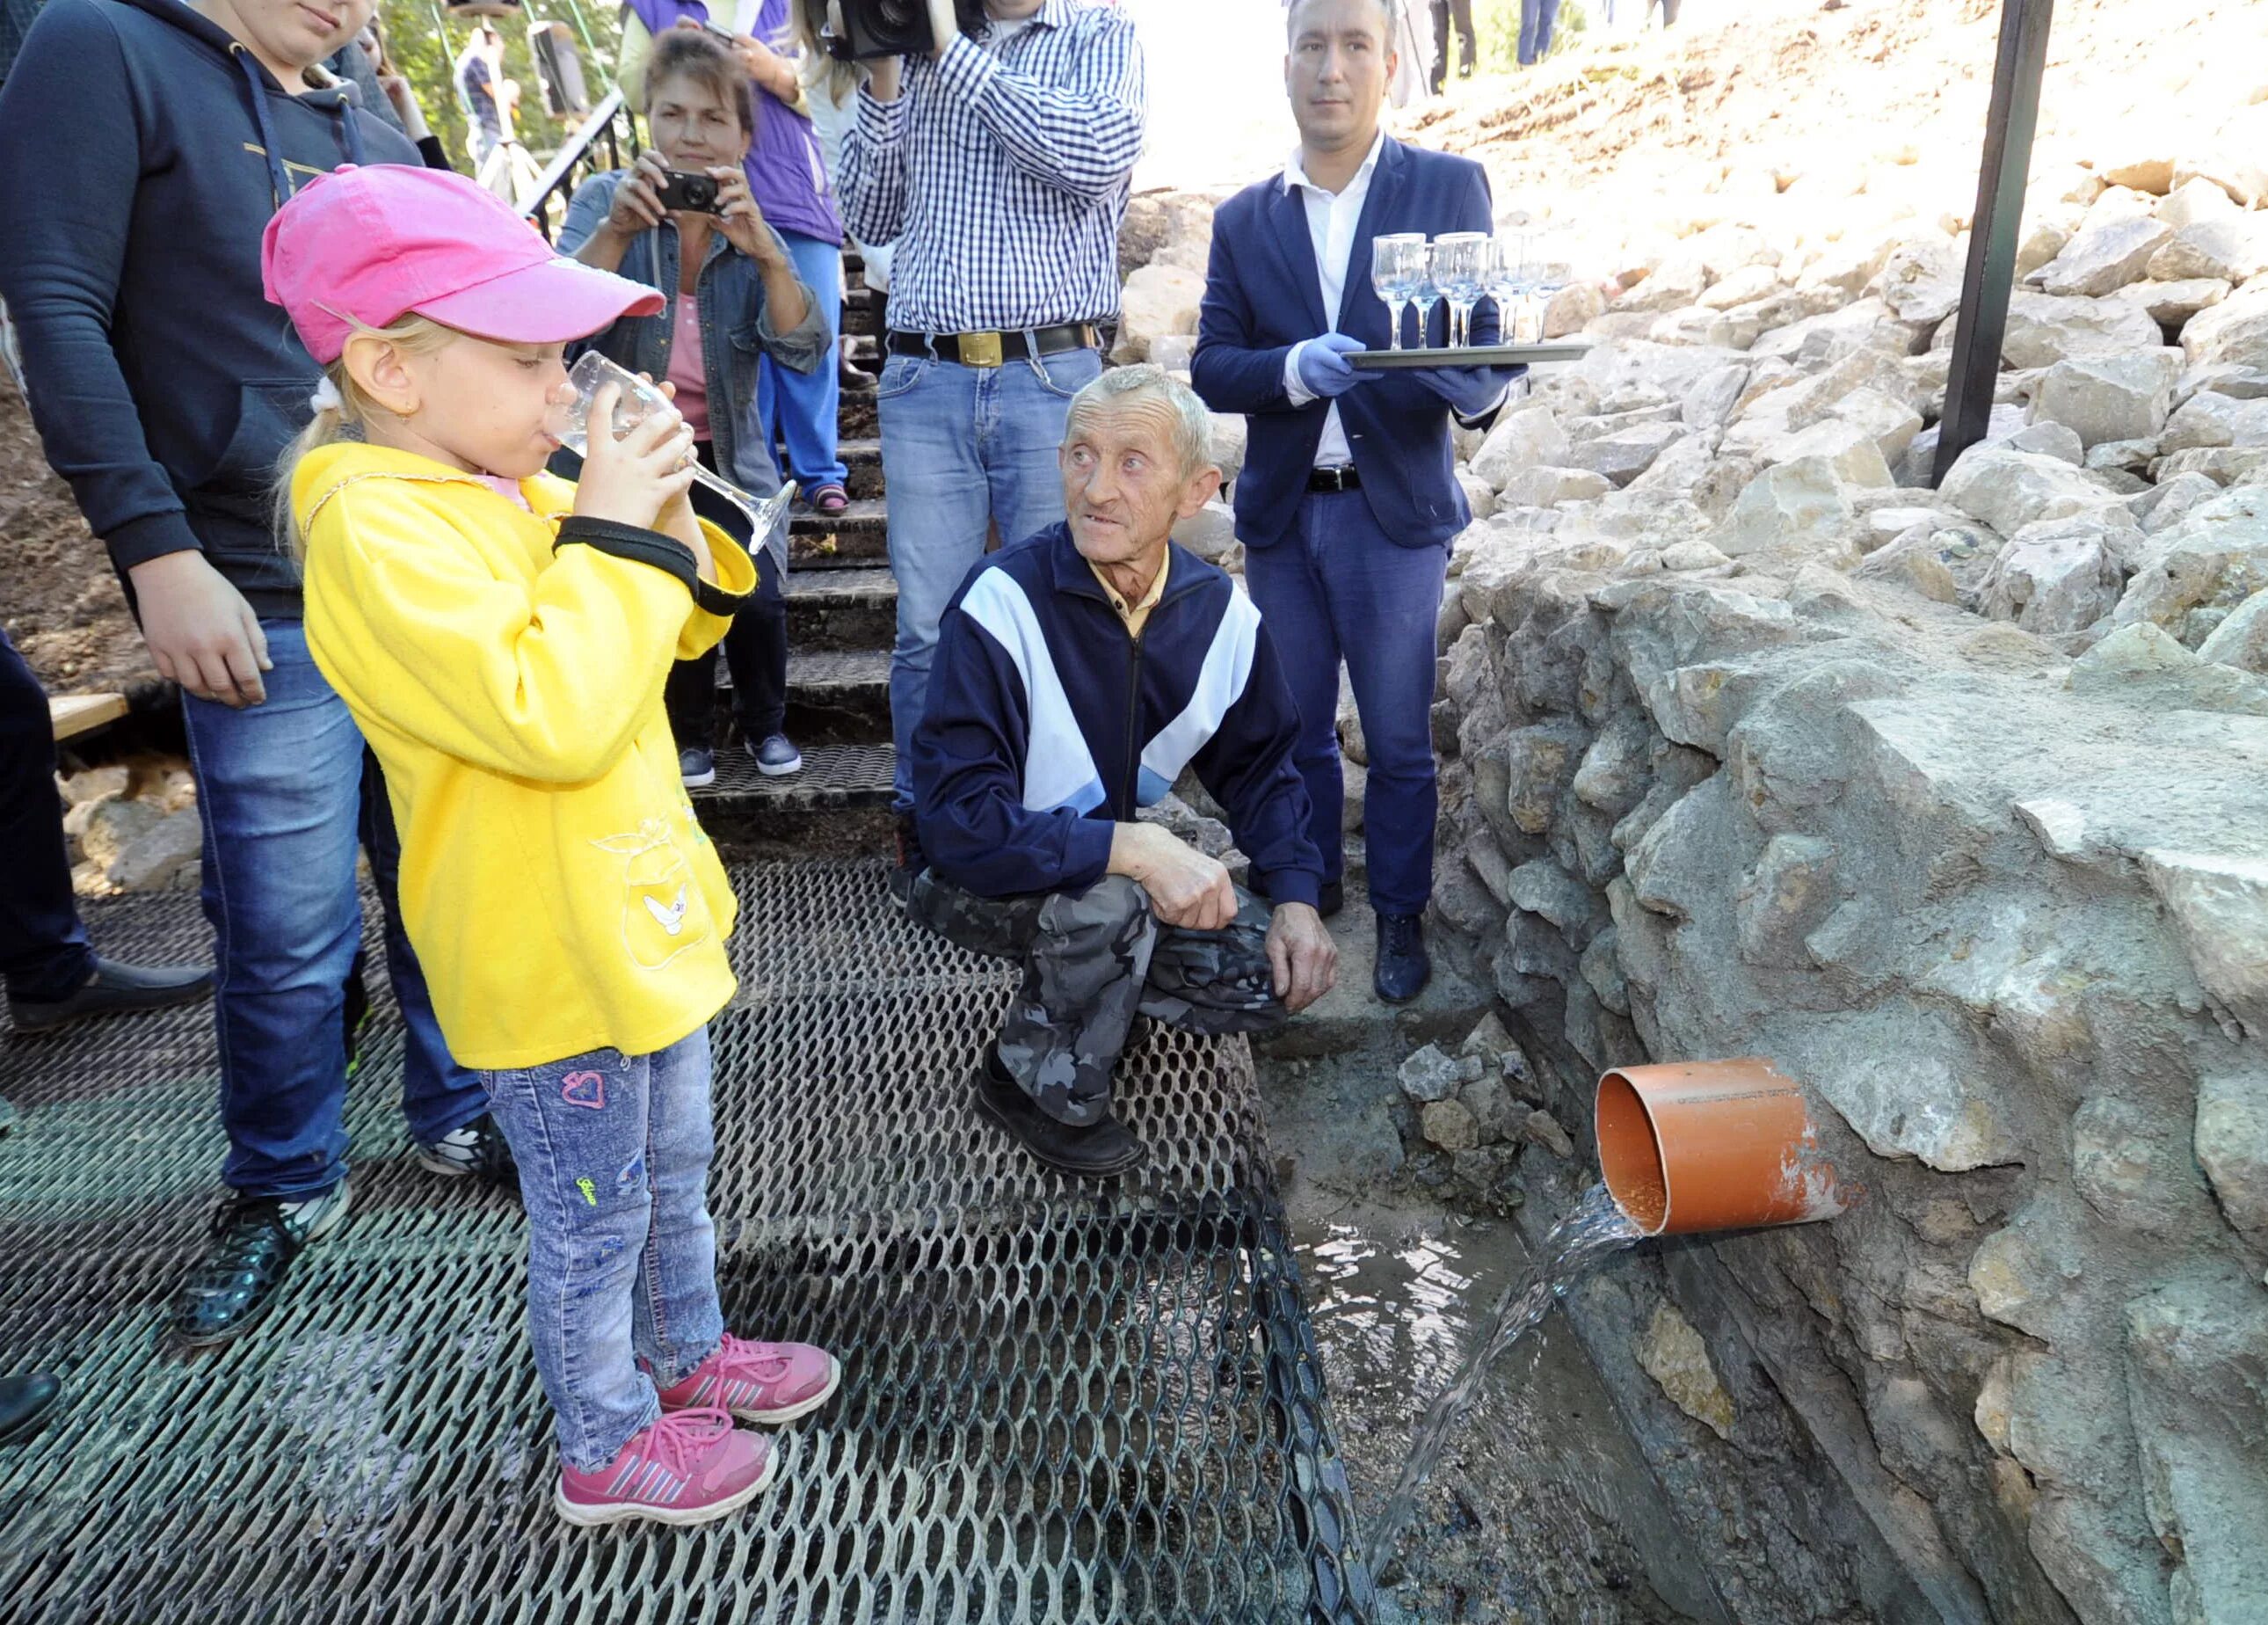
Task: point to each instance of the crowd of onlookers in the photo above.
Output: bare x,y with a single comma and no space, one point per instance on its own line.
447,642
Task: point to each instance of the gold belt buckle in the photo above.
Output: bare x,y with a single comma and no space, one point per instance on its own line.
981,350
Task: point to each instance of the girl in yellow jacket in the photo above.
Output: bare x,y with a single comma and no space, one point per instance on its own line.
502,637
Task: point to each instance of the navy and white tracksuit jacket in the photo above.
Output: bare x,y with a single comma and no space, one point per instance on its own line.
1048,722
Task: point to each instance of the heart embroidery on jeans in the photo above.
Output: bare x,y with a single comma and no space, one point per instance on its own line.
584,1089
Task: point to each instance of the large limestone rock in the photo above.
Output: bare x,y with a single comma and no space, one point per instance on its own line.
2044,328
2104,258
2008,490
2242,640
2202,570
2231,249
2234,332
1531,438
1625,454
1803,504
2061,575
2210,418
2108,397
1921,281
1157,300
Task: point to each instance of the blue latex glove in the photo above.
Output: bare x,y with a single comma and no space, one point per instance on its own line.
1470,390
1322,365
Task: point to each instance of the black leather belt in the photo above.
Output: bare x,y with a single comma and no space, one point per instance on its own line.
995,349
1341,478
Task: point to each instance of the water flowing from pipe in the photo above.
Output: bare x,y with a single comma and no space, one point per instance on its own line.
1588,1235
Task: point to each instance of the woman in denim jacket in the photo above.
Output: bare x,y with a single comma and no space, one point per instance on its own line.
734,296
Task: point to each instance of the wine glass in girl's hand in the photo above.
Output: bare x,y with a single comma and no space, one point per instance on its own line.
640,396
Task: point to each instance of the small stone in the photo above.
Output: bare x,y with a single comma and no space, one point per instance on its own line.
2108,397
1672,1352
1450,1125
1488,1038
1693,554
2232,249
1429,1075
91,785
1494,1108
2103,258
111,825
2242,640
1544,1129
152,859
2050,439
2232,1145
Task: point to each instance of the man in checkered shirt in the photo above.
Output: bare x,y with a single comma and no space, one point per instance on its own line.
1000,163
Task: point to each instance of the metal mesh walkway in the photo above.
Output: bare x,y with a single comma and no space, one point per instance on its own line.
1061,1402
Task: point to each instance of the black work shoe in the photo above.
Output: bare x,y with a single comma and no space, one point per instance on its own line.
910,862
113,987
1332,899
24,1402
477,1150
1402,964
1097,1151
255,1240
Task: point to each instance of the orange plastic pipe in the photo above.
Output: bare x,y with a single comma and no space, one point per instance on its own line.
1712,1145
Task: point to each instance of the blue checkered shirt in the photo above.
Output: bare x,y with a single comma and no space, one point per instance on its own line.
1001,172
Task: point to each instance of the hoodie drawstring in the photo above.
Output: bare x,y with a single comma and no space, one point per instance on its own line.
279,182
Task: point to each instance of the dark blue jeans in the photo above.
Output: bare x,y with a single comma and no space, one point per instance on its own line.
1337,584
286,792
43,952
1536,18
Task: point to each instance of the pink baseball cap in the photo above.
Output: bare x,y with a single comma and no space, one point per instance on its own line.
369,244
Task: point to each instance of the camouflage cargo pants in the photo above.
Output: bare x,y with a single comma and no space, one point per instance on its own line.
1093,960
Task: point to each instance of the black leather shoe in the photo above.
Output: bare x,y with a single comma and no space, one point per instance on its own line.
1404,966
24,1402
1333,898
1096,1152
114,987
255,1240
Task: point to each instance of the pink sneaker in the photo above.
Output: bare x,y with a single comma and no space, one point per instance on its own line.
759,1382
689,1467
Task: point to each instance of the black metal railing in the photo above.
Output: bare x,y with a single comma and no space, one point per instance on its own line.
608,139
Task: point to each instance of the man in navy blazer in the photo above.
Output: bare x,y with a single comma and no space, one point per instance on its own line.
1348,499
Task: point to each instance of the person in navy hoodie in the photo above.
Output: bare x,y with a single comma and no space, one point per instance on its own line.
150,142
1078,671
1348,501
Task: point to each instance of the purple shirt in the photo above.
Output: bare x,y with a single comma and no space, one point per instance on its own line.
786,173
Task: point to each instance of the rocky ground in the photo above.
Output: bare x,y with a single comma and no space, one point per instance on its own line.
1949,797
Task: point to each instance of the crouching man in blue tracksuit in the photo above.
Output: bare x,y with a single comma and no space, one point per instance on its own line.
1078,672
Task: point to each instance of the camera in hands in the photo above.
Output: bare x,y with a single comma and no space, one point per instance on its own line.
894,27
685,192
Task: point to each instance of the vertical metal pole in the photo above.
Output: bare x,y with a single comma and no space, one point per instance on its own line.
1995,229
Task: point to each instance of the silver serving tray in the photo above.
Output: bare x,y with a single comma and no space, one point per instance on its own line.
1468,355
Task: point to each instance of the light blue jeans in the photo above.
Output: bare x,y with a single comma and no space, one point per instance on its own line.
614,1155
801,408
962,447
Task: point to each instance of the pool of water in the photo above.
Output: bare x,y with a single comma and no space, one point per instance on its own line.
1543,1509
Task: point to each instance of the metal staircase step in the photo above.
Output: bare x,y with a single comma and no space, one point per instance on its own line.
834,779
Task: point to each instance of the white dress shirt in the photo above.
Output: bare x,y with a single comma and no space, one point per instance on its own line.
1332,218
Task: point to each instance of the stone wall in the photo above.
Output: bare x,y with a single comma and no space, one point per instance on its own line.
1952,802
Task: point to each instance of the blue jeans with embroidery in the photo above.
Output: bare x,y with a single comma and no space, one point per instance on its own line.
962,447
614,1155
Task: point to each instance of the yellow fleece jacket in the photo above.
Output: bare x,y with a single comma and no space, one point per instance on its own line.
560,894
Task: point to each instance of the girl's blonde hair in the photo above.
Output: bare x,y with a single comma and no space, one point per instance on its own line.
413,334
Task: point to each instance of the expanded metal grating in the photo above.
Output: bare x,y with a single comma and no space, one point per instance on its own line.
834,778
1062,1402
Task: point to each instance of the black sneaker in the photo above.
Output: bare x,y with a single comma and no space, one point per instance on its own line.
475,1151
1096,1152
255,1240
1404,966
910,862
111,987
697,769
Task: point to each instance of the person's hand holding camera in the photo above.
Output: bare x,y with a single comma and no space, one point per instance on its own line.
637,207
740,220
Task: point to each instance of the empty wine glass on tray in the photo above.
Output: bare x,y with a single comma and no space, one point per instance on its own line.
639,397
1506,274
1459,264
1550,269
1425,291
1395,266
